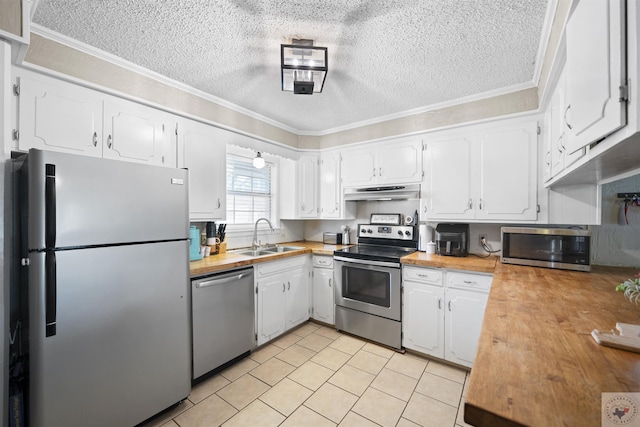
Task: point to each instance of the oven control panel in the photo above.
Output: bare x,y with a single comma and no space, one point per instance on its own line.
386,231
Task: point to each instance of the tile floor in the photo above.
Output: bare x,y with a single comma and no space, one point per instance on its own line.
316,376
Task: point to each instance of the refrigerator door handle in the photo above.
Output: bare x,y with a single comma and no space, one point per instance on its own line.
51,289
50,206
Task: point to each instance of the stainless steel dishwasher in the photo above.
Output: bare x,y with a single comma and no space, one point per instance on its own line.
223,318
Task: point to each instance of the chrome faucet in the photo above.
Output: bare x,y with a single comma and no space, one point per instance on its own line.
255,244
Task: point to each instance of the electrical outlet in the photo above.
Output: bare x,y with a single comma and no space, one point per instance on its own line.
482,236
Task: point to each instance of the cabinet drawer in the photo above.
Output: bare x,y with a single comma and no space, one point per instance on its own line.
323,261
480,282
424,275
272,267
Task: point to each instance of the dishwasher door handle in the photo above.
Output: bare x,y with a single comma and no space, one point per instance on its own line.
221,281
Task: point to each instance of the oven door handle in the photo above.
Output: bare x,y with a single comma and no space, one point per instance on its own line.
367,262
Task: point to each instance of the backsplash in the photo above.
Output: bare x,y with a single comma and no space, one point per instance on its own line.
612,243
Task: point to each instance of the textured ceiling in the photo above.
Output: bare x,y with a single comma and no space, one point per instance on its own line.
385,57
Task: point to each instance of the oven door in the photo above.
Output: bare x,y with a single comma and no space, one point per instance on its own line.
369,286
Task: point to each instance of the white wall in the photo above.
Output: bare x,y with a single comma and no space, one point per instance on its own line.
612,243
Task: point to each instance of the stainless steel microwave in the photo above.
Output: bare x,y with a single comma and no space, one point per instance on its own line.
564,248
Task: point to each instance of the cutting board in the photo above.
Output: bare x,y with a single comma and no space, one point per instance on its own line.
628,338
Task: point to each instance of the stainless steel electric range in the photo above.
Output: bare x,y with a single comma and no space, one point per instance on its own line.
368,282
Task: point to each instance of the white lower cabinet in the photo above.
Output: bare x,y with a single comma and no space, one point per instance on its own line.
323,281
443,312
282,289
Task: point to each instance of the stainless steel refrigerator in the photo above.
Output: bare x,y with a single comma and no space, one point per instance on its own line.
108,289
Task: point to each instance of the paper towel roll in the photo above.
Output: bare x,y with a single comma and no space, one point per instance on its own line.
423,237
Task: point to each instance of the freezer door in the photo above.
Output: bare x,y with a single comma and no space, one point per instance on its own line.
79,201
121,351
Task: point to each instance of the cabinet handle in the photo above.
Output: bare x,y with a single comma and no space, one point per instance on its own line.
424,209
336,205
559,145
374,171
329,282
379,171
470,204
439,303
289,287
449,305
95,139
283,287
565,117
562,142
480,205
109,141
219,204
547,160
470,282
303,207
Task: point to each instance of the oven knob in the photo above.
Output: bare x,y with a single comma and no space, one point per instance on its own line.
369,231
408,233
400,232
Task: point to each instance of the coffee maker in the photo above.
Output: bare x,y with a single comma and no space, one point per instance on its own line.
452,239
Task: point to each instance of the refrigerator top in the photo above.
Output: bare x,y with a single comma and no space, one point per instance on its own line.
75,201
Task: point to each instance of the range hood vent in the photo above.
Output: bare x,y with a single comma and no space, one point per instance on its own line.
392,192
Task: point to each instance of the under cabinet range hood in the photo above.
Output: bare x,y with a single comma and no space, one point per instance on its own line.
389,192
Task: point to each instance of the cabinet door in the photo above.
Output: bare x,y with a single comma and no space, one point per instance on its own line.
508,179
204,149
400,163
330,186
423,318
271,307
308,186
596,64
358,168
134,132
447,182
463,322
297,296
323,298
58,116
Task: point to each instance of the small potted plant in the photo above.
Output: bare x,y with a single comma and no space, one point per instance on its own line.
631,288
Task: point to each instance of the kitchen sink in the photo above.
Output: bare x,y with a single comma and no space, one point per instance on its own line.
267,251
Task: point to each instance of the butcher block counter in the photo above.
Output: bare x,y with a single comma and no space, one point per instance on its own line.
537,363
229,260
471,262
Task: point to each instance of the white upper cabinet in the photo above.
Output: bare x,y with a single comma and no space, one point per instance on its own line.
58,116
486,173
138,133
446,189
308,166
595,37
385,163
508,171
203,151
330,185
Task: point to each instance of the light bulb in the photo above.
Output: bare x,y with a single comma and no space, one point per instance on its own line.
258,161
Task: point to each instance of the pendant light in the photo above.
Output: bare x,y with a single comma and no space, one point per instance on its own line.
258,161
303,67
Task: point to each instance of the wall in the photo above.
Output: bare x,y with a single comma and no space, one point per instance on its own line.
289,231
612,243
52,55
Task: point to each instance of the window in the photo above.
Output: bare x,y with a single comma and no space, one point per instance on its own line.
249,191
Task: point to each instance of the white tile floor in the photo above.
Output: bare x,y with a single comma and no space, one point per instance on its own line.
315,376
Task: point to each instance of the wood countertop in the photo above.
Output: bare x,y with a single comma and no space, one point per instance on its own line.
537,363
229,260
474,263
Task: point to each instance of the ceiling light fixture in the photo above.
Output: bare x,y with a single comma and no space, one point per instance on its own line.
258,161
304,67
